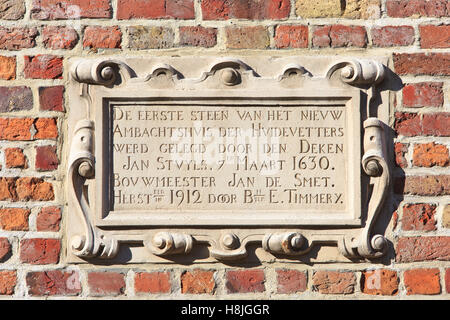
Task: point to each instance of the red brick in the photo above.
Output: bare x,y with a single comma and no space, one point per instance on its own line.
14,219
417,8
432,185
422,281
48,219
392,36
58,37
54,282
70,9
243,281
155,9
430,155
255,37
7,68
152,282
400,150
338,36
102,37
291,281
334,282
252,9
14,158
197,282
434,36
15,98
15,128
12,9
46,158
51,98
17,38
423,94
198,36
106,283
447,280
46,128
8,280
435,64
413,249
35,189
291,36
379,282
40,251
407,124
5,249
436,124
419,217
43,66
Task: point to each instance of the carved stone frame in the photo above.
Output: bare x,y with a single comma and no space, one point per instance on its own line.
94,232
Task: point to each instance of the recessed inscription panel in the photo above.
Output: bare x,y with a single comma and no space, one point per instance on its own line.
240,159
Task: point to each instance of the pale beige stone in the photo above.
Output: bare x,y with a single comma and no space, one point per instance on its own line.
351,9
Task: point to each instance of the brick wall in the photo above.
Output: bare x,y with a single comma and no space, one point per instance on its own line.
37,37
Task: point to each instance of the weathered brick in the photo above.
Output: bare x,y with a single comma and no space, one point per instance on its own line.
14,158
417,8
59,37
432,185
422,281
436,64
334,282
12,9
14,219
150,37
35,189
407,124
423,94
46,128
53,282
152,282
400,150
434,36
379,282
446,216
40,251
351,9
70,9
254,37
102,37
447,280
412,249
8,280
43,66
338,36
51,98
46,158
5,249
106,283
15,128
430,155
8,189
198,36
291,281
48,219
17,38
252,9
7,68
155,9
391,36
291,36
419,216
197,282
242,281
15,98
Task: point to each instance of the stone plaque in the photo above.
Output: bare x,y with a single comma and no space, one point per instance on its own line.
173,156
